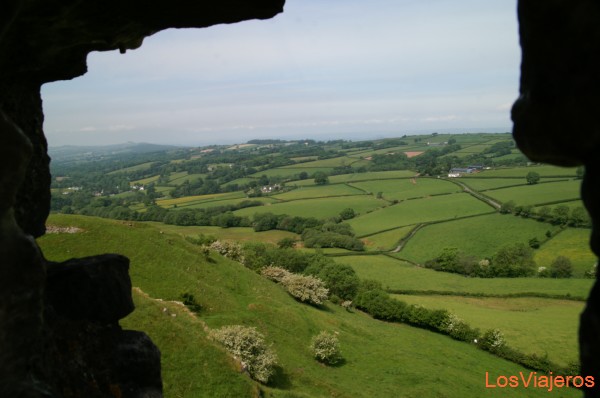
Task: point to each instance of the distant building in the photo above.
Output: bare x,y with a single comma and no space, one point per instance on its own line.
458,171
270,188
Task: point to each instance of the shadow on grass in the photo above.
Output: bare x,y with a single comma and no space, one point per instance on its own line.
280,379
339,363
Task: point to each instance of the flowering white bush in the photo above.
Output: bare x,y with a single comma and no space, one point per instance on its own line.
306,288
451,323
492,340
230,250
275,273
248,345
326,348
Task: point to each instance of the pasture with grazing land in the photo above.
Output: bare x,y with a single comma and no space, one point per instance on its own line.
318,208
468,236
228,293
410,212
419,206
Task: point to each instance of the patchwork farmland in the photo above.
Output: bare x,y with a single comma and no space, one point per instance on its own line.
406,212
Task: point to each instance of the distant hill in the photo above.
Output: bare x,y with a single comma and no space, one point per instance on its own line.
67,153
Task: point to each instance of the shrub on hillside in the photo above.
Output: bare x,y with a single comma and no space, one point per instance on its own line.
307,289
347,214
190,302
259,255
591,273
507,207
513,261
341,280
458,329
201,239
227,249
248,345
561,267
275,274
452,260
492,340
322,239
286,243
325,348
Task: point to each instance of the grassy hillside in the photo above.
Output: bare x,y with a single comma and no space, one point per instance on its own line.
400,275
468,236
319,207
381,359
411,212
530,324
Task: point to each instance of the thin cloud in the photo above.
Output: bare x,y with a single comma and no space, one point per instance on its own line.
321,67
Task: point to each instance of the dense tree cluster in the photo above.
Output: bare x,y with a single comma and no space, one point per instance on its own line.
511,261
560,214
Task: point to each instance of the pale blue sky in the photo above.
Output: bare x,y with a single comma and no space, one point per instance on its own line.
323,69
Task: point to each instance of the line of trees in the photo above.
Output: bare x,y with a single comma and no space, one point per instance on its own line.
559,215
512,261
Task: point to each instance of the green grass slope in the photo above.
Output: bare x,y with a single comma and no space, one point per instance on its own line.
381,359
471,236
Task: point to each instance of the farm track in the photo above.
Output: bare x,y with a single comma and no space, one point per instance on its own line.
408,237
476,194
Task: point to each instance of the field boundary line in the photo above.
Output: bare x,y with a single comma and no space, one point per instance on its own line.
413,292
427,223
476,194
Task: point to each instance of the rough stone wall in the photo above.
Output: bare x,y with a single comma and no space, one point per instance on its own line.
556,118
46,40
56,341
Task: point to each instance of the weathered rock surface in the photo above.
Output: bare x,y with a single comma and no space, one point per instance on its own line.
556,118
45,40
92,288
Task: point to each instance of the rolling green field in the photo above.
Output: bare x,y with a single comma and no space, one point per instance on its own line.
484,183
238,234
319,191
176,176
392,360
538,193
137,167
398,275
189,177
572,243
145,181
570,204
529,324
199,199
291,171
203,204
386,240
542,170
239,181
468,236
332,162
318,208
373,175
536,315
408,188
417,211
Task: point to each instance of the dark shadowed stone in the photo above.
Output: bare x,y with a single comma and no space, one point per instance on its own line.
556,118
88,359
92,288
137,365
556,115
